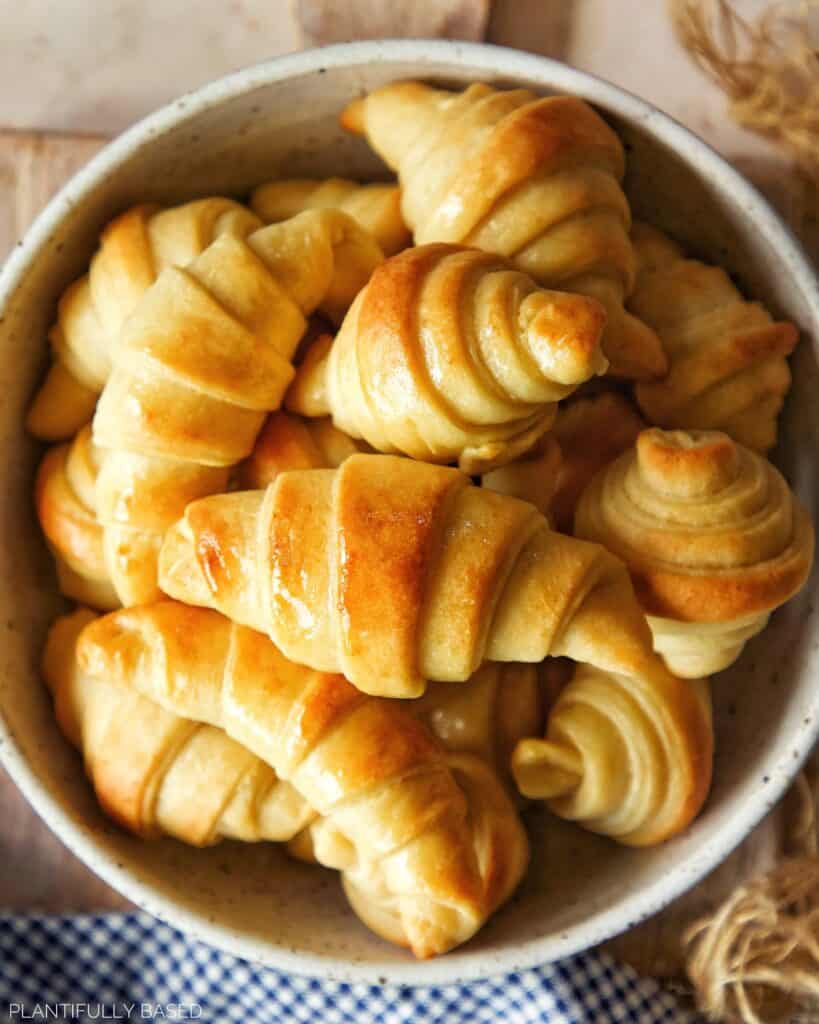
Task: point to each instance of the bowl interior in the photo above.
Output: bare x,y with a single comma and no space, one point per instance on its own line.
281,119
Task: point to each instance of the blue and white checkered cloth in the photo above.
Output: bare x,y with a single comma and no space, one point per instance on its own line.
130,967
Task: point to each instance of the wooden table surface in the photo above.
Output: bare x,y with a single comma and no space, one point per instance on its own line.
38,872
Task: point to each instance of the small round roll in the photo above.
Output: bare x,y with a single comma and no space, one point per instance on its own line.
714,539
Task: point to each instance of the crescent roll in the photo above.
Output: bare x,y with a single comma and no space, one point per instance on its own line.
376,207
396,572
367,766
618,756
497,836
449,354
714,539
134,249
728,357
65,500
156,772
201,360
535,180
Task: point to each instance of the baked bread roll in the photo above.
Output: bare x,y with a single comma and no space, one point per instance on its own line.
728,366
449,354
289,442
395,572
376,207
157,773
533,476
620,757
134,249
535,180
202,359
586,435
487,715
498,841
65,499
591,433
713,537
366,765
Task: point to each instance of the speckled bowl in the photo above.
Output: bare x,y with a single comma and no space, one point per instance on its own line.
280,118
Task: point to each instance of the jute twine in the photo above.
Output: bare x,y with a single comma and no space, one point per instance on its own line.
768,68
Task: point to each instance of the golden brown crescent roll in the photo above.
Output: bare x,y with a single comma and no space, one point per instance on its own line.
714,539
289,442
376,207
535,180
366,765
728,365
134,249
201,360
498,839
621,756
481,720
396,572
65,499
157,773
450,354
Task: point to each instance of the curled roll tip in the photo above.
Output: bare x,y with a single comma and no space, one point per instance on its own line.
630,758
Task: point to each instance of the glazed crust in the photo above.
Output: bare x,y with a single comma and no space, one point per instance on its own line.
203,358
728,357
134,250
535,180
449,354
367,766
376,207
156,772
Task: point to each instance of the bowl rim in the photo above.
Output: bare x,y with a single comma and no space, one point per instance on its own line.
461,965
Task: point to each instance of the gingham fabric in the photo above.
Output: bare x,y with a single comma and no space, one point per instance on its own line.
130,967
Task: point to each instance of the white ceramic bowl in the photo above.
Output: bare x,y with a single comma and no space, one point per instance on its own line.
280,118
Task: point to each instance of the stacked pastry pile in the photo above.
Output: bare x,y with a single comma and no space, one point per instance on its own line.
323,633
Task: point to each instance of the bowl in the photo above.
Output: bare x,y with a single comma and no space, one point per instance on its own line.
281,118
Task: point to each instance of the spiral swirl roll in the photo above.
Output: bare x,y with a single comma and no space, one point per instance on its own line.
534,180
156,772
712,535
376,207
201,361
728,357
617,756
134,250
449,354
